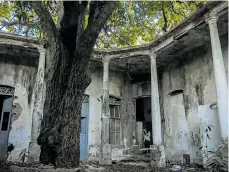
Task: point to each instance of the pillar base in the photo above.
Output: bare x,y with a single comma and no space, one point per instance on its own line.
158,156
106,155
34,152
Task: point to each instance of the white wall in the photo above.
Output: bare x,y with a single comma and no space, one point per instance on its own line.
22,78
95,91
141,89
182,120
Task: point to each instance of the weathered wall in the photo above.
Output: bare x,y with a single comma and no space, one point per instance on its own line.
141,89
195,76
95,92
23,79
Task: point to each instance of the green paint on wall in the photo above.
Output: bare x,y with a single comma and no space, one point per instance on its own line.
201,126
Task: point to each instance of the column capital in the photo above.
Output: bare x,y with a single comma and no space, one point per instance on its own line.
106,60
152,55
211,19
41,50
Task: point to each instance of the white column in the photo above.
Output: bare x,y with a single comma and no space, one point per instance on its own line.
37,109
155,106
105,146
220,76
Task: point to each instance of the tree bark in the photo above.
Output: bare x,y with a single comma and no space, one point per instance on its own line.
69,50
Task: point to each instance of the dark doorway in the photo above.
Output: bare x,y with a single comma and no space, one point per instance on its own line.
144,120
5,114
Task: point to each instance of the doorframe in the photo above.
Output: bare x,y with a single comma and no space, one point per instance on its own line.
135,111
6,90
87,123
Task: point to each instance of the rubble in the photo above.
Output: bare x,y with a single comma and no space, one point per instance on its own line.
126,166
175,168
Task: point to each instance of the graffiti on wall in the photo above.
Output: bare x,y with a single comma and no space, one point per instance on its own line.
195,139
181,137
184,138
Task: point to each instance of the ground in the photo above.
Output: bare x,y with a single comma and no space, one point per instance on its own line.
95,167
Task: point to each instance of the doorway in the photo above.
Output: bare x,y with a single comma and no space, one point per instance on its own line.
6,102
143,119
84,129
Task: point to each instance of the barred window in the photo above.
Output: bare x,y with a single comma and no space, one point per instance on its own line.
115,123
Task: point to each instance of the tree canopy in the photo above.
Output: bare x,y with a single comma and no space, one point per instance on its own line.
133,23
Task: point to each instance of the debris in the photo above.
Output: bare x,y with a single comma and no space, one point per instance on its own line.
175,168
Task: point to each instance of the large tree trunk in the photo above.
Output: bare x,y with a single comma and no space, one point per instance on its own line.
67,77
65,84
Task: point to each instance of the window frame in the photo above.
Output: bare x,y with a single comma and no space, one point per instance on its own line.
115,119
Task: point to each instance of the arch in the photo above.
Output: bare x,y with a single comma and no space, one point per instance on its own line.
6,90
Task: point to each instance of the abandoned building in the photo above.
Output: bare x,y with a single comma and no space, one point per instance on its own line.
174,87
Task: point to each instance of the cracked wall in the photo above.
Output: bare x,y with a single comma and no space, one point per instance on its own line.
182,112
118,87
21,77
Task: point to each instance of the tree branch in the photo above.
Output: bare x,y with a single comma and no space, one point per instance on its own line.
71,25
105,44
27,30
81,20
164,28
98,20
119,37
89,36
172,7
17,22
93,13
45,19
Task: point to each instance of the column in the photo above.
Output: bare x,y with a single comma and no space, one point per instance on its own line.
155,106
105,135
158,153
37,109
220,76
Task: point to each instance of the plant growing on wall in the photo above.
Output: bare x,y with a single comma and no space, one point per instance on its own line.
10,148
218,160
205,133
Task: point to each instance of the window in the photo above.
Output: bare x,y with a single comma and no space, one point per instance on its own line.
115,124
83,125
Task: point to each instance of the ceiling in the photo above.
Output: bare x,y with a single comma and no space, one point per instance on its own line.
195,40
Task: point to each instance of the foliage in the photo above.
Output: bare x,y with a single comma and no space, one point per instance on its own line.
18,17
139,22
10,148
134,23
218,160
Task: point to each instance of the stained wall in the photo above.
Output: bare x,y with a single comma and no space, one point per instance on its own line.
188,91
22,78
118,87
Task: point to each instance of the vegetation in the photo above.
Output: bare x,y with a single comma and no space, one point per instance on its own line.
71,29
218,160
134,23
